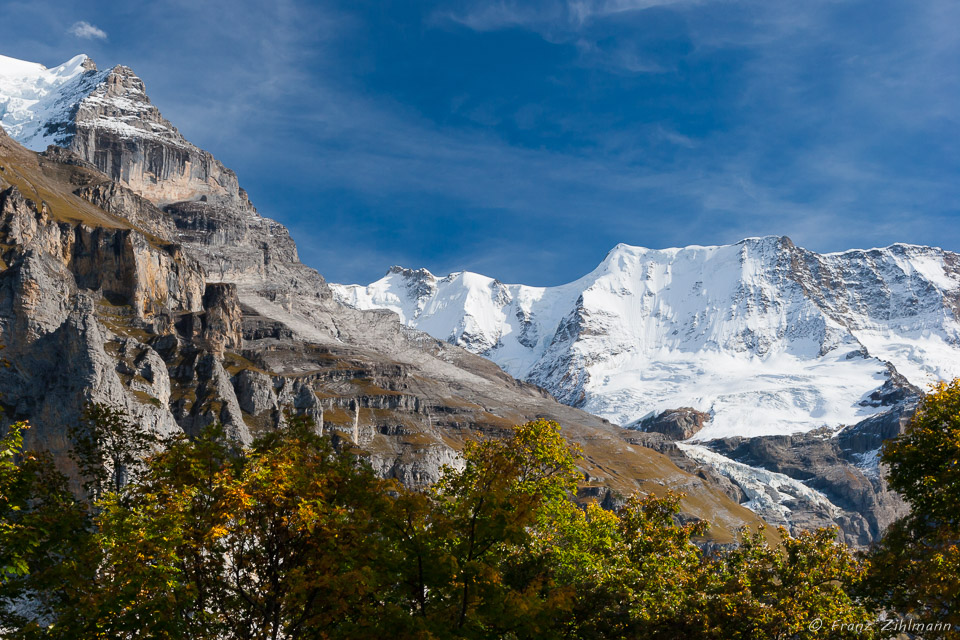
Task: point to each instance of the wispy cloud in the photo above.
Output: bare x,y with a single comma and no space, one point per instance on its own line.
798,148
501,15
84,29
584,24
581,11
549,17
593,122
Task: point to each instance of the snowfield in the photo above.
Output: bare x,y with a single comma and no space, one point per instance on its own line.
37,104
765,336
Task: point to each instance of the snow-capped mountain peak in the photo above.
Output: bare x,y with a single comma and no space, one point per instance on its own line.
764,336
107,118
37,104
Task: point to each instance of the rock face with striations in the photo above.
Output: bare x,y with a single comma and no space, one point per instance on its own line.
133,229
175,299
124,136
676,424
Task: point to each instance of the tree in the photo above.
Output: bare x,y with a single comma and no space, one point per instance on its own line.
486,517
802,588
640,573
43,536
916,567
108,448
281,541
12,501
633,573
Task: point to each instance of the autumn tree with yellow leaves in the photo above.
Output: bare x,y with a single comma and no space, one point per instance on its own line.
916,567
296,538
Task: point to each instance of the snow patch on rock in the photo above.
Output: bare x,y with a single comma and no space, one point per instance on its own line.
37,104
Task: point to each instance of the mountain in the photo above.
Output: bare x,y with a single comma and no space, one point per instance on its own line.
136,272
761,351
766,337
38,105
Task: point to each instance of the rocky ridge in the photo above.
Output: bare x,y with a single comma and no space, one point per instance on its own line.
765,340
161,292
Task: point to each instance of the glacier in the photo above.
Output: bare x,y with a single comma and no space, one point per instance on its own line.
766,337
773,494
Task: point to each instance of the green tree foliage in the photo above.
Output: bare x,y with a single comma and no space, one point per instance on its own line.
801,588
638,573
292,538
916,568
12,531
484,525
43,534
108,448
277,542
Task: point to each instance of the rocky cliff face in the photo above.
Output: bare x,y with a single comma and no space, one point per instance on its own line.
811,340
108,119
156,286
62,286
124,136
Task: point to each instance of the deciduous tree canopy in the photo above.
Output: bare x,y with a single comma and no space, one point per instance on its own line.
916,567
297,538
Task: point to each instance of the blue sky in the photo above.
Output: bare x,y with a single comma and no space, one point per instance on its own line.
525,139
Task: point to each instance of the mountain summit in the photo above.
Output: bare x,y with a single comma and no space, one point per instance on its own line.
764,336
780,369
136,272
38,105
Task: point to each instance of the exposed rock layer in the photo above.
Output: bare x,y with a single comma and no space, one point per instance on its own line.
203,314
176,299
676,424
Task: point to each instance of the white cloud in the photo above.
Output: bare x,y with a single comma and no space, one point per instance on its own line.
577,22
505,14
548,17
84,29
581,11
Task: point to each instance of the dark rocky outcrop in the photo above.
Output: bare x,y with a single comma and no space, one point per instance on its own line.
676,424
844,467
